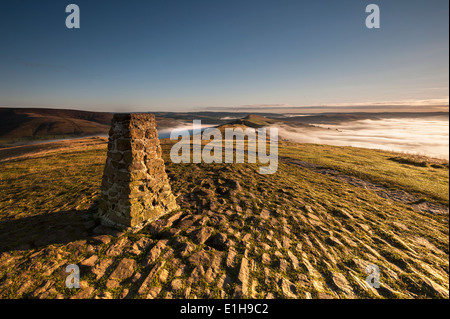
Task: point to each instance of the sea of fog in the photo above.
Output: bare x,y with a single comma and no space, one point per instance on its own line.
181,130
429,136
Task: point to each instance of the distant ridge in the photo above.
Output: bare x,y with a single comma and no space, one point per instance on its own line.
255,121
22,125
35,124
258,121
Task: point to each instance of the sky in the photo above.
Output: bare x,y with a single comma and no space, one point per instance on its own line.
224,55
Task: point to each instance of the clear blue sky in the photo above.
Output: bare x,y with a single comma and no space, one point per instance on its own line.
196,54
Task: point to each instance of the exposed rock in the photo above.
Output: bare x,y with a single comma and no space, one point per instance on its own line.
124,270
176,284
163,275
288,288
303,281
231,257
277,243
253,291
174,217
265,259
311,270
150,276
284,265
216,262
187,292
55,265
84,294
117,248
185,223
100,269
153,292
201,236
124,294
341,282
440,291
333,241
218,220
199,258
214,270
141,245
44,288
155,252
286,242
324,295
363,285
89,262
197,274
265,214
243,278
294,259
112,284
180,271
157,226
187,248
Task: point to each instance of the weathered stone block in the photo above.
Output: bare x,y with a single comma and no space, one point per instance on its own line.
135,187
122,145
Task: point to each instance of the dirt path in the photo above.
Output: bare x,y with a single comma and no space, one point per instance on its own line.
382,191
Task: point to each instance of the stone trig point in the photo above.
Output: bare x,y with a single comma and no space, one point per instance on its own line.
135,187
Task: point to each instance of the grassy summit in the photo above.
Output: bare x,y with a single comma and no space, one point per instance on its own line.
308,231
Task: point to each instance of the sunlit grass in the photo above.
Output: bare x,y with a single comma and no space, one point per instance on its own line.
419,175
51,183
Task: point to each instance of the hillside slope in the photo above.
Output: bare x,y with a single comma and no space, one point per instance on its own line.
23,124
257,121
303,232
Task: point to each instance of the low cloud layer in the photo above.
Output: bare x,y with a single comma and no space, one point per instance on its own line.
181,129
416,136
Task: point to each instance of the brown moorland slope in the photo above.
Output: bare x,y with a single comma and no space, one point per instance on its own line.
29,124
16,124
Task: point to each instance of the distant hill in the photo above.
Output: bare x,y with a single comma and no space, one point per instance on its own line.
255,121
259,121
28,124
21,125
33,124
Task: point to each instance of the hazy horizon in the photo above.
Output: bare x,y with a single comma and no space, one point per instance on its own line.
282,110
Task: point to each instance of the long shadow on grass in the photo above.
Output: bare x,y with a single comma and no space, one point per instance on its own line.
51,228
